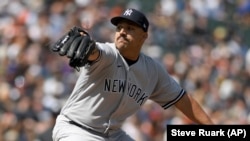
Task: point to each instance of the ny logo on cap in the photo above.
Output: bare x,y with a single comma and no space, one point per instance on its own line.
128,12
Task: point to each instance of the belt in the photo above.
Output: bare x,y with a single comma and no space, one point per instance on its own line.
106,135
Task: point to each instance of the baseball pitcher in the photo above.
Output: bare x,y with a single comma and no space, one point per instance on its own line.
115,80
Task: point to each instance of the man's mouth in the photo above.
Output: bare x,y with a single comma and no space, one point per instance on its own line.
122,39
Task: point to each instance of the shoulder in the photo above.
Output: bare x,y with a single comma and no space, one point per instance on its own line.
150,61
106,45
107,48
154,66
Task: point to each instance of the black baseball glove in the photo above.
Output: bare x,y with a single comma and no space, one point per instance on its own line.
77,45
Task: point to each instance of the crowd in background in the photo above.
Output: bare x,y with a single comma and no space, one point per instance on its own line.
204,45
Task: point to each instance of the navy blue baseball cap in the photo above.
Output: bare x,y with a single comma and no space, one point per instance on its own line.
134,16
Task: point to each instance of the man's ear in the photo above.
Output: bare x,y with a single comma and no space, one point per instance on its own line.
145,36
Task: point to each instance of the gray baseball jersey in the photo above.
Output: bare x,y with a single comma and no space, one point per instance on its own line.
108,91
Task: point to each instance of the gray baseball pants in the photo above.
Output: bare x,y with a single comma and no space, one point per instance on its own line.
64,131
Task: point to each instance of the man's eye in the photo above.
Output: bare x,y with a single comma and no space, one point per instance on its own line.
127,28
130,28
118,28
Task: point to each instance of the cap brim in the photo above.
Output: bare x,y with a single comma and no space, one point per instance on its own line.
116,20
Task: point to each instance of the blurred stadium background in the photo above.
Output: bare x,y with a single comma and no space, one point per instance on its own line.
204,45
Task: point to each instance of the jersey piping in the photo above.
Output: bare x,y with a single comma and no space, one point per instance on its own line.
175,100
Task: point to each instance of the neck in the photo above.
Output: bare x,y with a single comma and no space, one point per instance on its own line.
131,55
130,62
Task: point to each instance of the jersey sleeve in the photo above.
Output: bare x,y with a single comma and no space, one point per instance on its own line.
167,91
108,54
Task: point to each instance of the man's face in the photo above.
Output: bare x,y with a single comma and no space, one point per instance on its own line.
129,36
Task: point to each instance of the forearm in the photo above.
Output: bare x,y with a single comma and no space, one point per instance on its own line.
198,114
94,54
191,108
